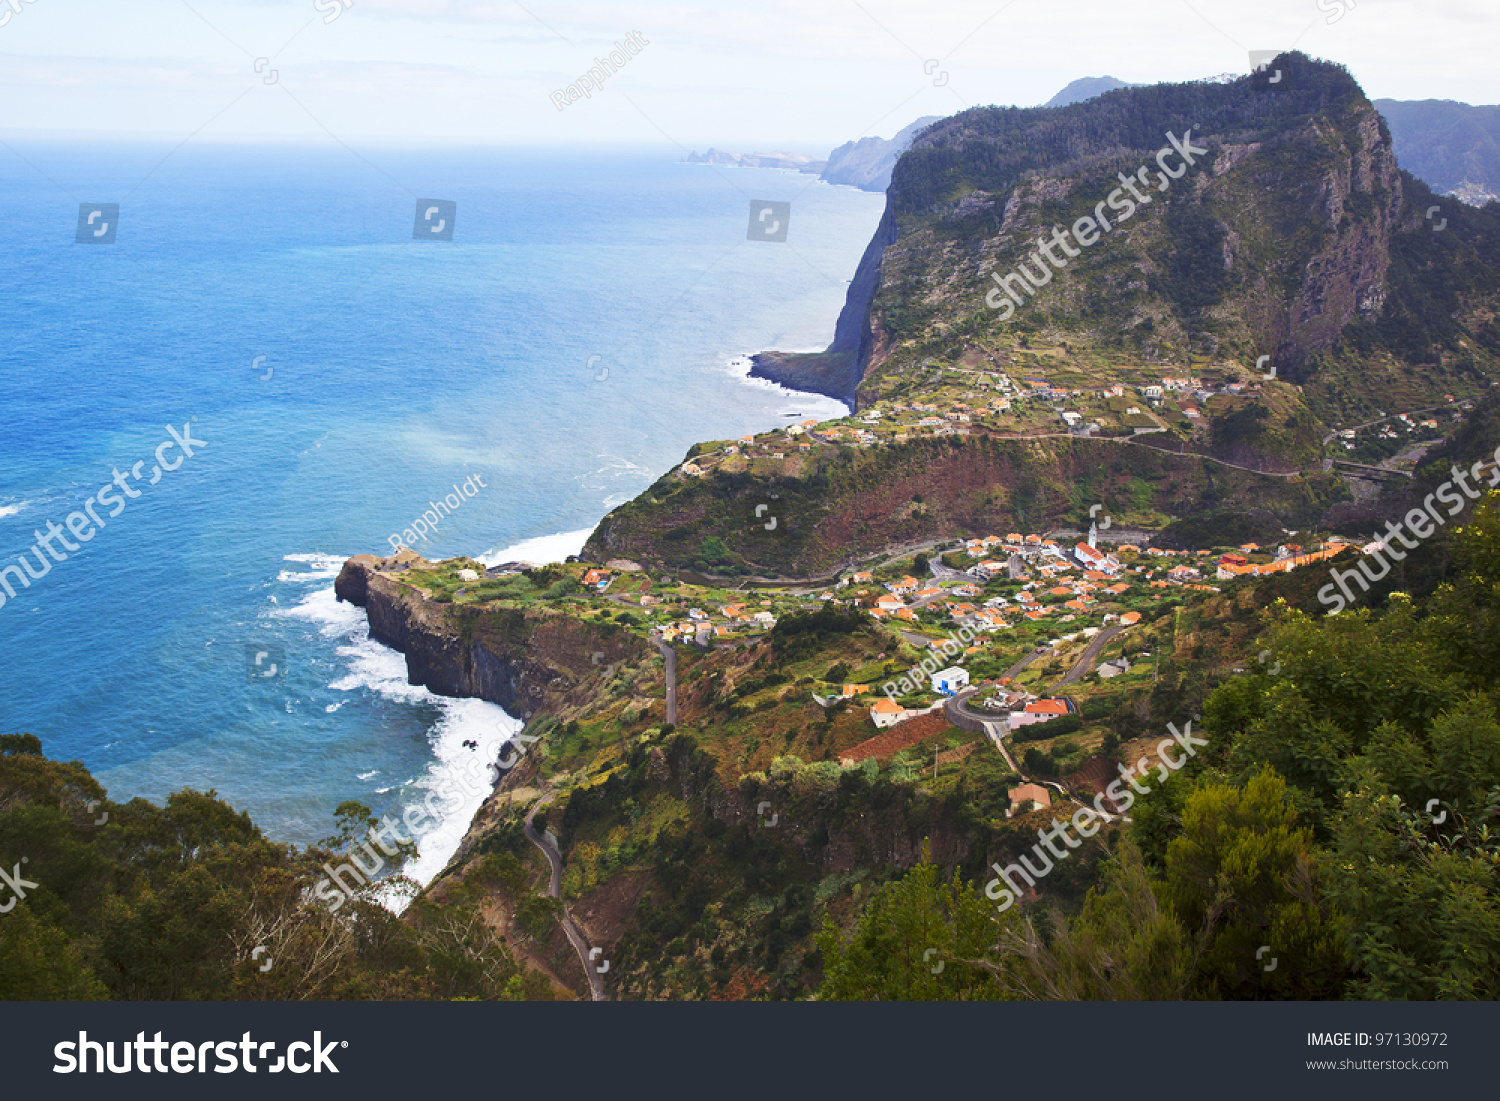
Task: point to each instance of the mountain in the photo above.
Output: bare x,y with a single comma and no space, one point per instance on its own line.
867,163
1087,87
1453,147
1296,236
1290,271
795,161
717,809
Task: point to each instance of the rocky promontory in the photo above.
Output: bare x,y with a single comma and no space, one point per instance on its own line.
527,661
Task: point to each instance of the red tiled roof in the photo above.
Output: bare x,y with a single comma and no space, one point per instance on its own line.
1047,707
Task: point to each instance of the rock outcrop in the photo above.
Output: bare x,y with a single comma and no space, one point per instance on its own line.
867,163
526,662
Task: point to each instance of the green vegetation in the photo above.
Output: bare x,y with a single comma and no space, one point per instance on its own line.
139,902
1343,820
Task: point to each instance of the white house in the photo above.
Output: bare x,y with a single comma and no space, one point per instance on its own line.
950,681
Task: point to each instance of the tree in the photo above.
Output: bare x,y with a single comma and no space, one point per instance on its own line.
918,939
1241,874
147,902
1122,946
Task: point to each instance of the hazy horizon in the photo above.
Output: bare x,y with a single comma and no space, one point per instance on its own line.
740,76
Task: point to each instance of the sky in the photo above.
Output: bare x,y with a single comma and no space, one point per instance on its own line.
800,75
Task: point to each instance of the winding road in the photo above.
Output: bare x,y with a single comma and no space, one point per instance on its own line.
1088,657
1393,416
554,890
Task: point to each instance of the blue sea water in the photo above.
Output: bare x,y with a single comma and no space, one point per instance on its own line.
586,325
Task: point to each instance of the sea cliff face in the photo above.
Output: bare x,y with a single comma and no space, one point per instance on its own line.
525,661
836,372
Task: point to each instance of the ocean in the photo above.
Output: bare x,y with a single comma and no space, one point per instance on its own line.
268,309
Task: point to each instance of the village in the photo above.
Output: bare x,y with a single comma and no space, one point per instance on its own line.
956,401
959,402
999,634
987,601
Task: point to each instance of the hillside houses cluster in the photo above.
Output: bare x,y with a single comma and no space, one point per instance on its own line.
729,621
1288,557
990,393
1084,574
1391,429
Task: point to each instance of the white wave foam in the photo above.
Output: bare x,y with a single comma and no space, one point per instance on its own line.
323,566
11,510
451,773
541,550
818,407
459,775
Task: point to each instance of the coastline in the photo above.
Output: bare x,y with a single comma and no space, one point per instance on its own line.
438,848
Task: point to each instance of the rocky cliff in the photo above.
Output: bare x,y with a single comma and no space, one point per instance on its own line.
868,162
1275,239
1294,236
836,372
525,661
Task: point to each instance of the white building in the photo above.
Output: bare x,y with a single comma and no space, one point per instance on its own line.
950,681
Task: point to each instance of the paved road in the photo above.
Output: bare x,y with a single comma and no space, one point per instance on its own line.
1129,440
1393,416
1010,673
1090,655
554,889
1364,470
669,654
957,705
943,572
